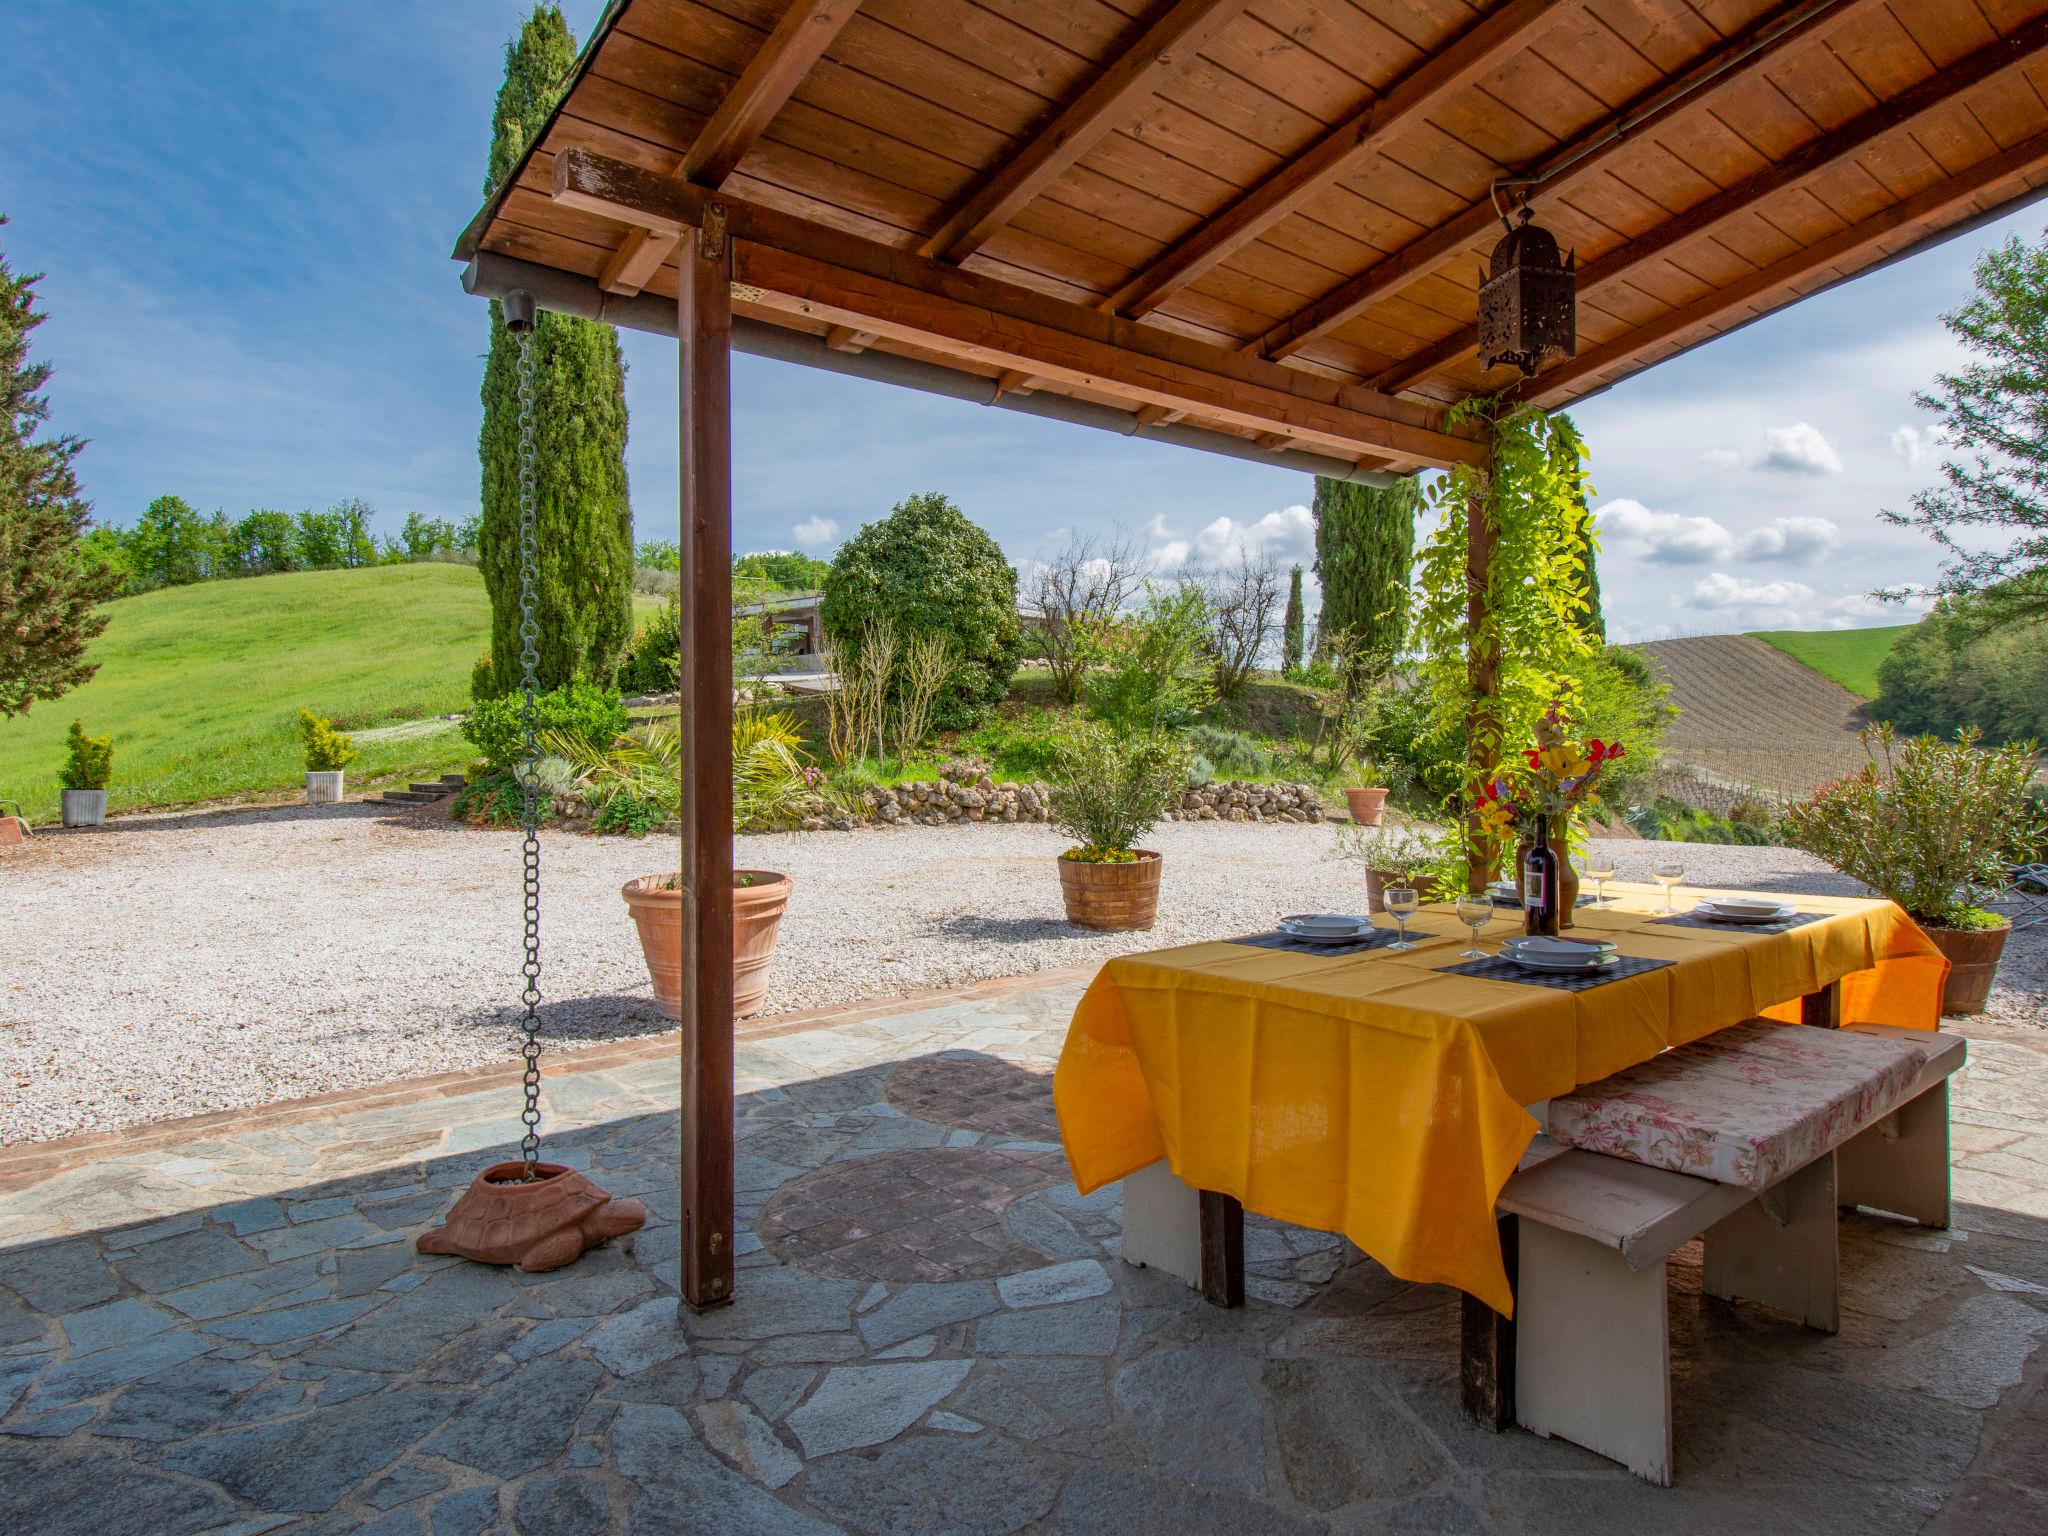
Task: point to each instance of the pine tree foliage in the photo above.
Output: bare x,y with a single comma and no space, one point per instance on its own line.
48,588
1365,555
1294,628
585,523
1989,512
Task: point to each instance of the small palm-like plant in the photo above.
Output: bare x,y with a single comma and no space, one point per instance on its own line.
769,778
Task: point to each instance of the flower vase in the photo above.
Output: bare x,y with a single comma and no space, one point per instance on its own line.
1567,877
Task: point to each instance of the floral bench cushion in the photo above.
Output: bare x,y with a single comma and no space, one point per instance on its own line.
1746,1106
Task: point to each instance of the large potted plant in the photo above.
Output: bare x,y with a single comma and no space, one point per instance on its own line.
1392,856
83,779
1369,805
328,752
1930,824
1110,790
637,785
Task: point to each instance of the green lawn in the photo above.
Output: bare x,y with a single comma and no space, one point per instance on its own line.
1849,656
200,686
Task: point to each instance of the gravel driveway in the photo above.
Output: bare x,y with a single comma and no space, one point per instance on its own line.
173,965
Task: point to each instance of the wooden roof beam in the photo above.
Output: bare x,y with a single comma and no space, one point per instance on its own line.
846,338
1475,54
771,77
823,275
2014,51
1103,105
1864,239
1589,154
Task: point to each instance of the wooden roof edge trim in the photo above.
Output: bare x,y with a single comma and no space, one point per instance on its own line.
1095,110
1555,385
1475,53
842,279
2015,50
1563,167
471,240
801,36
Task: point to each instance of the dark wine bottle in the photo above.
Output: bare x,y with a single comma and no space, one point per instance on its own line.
1541,912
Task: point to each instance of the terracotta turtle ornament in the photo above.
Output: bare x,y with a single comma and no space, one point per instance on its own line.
541,1224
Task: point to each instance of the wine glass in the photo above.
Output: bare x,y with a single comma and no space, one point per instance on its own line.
1401,902
1668,875
1599,869
1475,912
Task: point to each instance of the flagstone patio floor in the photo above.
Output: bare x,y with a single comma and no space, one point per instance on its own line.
222,1325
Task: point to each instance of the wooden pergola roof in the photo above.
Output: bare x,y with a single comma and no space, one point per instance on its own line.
1265,218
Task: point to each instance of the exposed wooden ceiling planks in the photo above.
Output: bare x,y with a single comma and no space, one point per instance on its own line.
918,110
1831,149
1476,53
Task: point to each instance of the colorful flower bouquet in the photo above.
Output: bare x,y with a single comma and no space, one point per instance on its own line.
1561,776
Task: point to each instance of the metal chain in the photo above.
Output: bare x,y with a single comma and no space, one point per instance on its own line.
529,726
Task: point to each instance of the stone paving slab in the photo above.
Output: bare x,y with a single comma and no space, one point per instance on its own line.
228,1329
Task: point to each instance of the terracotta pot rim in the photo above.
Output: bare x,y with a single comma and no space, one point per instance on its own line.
504,1176
1142,855
2004,926
649,889
1368,789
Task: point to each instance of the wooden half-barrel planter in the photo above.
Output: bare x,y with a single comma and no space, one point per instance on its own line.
1111,898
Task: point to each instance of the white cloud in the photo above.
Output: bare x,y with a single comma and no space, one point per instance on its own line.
1799,449
1737,603
1792,539
1860,609
1724,458
1662,538
1287,537
816,532
1919,445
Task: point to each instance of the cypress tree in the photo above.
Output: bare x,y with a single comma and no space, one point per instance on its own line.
1365,552
585,523
1294,630
48,587
1592,621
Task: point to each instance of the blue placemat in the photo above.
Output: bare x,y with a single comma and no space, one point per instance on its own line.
1379,938
1694,920
1558,981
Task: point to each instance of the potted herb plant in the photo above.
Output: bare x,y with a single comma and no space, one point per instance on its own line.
328,752
1392,856
638,783
87,767
1928,823
1367,805
1110,790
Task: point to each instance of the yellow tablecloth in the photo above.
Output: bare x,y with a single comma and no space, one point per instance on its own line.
1369,1095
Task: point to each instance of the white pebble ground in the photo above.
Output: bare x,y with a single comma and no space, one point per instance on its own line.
179,964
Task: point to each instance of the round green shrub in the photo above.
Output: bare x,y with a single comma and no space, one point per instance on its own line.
575,711
925,569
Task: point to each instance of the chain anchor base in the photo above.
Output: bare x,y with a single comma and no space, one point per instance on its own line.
537,1223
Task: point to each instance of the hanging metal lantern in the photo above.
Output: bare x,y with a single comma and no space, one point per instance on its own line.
1528,302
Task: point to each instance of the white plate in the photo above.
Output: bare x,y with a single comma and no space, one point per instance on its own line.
1326,935
1324,922
1743,911
1566,949
1530,962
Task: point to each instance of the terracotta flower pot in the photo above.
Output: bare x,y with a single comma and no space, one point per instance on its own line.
1111,898
757,909
1973,962
1367,805
1377,881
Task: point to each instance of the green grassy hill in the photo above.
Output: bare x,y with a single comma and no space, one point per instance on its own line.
200,686
1848,656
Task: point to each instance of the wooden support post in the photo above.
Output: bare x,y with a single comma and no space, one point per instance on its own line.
704,377
1486,1354
1822,1009
1222,1250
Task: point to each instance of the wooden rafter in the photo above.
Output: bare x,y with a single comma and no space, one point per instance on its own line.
771,77
1858,242
1104,104
828,276
1588,155
847,338
2013,51
1471,57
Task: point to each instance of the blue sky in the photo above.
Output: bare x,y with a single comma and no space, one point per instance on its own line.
244,214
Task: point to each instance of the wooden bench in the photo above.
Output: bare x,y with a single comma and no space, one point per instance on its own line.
1591,1357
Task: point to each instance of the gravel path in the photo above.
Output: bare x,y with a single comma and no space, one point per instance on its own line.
174,965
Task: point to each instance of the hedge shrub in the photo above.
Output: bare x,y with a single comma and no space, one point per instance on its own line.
576,710
926,569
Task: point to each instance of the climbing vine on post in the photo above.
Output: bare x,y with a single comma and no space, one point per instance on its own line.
1502,594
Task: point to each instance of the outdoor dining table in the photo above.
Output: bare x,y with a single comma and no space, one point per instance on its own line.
1382,1093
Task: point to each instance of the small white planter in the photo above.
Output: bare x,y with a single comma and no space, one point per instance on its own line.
85,807
323,788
